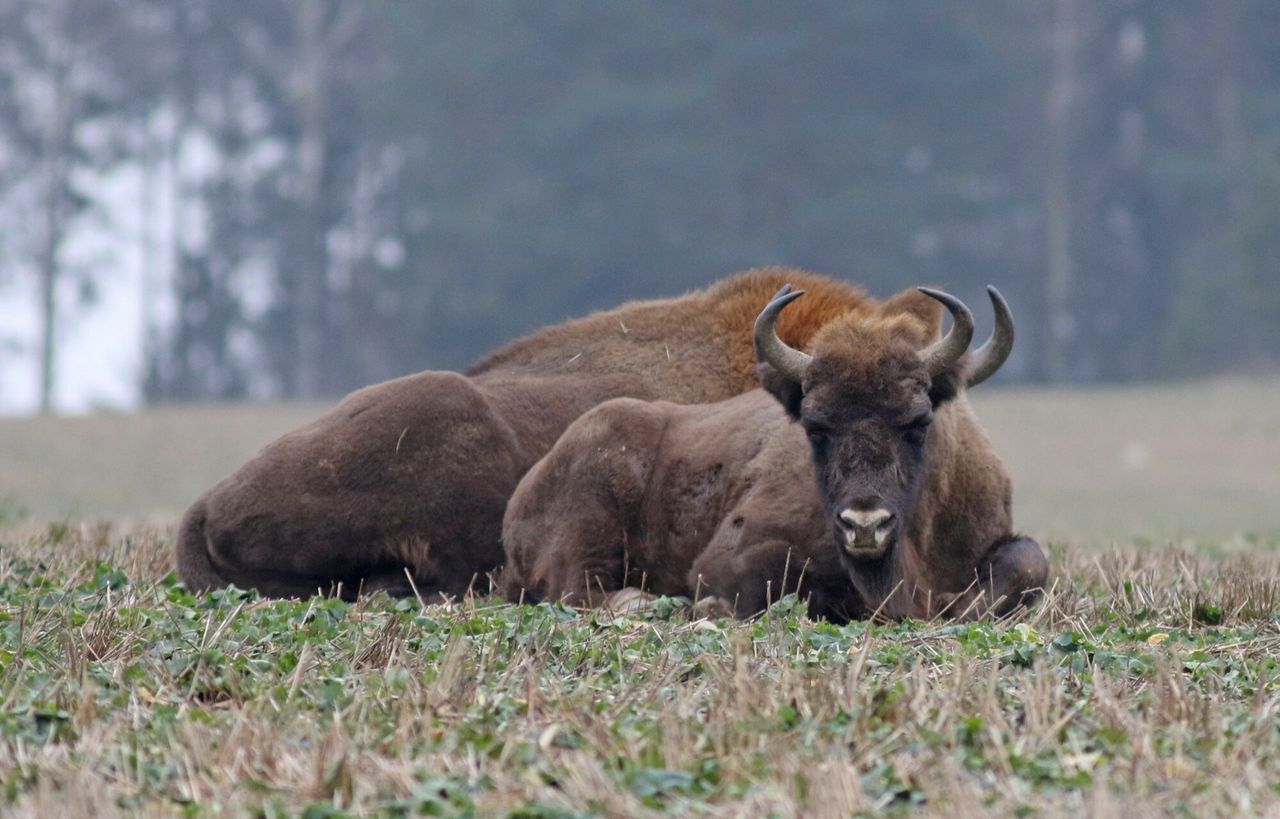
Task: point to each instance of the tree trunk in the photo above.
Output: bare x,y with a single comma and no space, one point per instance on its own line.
49,292
310,87
1060,266
1224,41
54,148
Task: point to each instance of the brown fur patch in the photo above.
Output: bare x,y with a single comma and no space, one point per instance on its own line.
739,299
909,317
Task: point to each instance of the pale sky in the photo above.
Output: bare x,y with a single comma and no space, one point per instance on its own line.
100,359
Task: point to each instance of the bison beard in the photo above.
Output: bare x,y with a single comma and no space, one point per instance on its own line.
402,485
909,515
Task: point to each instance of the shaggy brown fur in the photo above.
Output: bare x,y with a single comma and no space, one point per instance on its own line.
719,500
413,474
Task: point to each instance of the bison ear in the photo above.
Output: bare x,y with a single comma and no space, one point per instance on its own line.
948,383
787,391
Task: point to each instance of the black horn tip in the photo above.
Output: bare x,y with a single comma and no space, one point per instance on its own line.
947,350
770,349
988,358
1004,316
952,303
784,297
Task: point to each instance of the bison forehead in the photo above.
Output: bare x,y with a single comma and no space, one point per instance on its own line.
892,384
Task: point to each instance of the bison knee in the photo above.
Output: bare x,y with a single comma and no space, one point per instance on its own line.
1015,570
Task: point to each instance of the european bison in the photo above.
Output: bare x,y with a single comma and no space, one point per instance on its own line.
407,480
910,514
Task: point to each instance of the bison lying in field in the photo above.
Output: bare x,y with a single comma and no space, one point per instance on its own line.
910,514
403,484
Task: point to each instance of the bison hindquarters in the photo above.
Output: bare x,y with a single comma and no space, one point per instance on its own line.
403,479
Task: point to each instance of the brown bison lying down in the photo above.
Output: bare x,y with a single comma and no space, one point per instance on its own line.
403,484
909,517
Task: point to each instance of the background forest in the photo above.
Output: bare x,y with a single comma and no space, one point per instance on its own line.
313,196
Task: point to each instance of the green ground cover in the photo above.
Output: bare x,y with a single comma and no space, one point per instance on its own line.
1148,682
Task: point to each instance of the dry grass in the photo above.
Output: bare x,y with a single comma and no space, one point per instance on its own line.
1148,683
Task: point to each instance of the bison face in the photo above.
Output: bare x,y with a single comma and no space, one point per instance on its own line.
868,448
866,398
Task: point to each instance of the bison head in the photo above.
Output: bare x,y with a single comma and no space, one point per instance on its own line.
866,397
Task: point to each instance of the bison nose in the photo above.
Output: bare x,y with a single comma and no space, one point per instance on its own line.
866,530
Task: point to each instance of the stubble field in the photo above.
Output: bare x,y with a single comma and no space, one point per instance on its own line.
1147,683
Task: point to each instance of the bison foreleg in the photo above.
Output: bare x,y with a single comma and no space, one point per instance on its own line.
748,578
1011,576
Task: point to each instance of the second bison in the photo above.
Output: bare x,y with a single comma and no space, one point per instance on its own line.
910,515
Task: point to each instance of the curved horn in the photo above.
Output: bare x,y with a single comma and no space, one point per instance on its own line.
990,356
947,350
769,348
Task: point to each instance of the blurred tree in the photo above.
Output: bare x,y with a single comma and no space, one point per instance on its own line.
197,151
279,192
312,64
58,106
1227,291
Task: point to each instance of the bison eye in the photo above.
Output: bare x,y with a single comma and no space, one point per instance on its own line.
816,433
916,430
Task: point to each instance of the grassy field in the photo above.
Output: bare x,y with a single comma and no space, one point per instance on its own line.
1148,682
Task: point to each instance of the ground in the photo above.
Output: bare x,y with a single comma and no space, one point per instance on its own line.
1147,683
